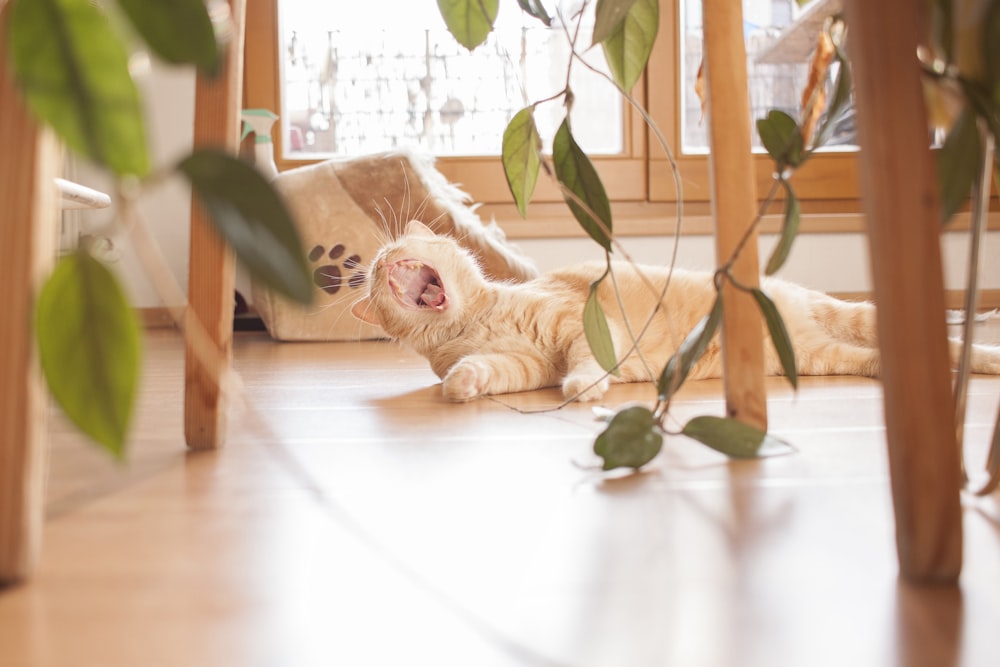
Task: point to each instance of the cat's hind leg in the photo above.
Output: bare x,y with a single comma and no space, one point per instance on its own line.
831,358
585,380
490,373
982,358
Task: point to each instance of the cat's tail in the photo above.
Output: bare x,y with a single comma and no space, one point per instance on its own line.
854,322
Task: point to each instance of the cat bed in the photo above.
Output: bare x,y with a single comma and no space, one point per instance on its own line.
345,209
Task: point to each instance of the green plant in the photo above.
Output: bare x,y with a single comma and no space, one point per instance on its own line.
72,65
962,67
626,32
961,62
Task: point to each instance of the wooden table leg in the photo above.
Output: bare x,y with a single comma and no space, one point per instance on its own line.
734,206
28,163
901,205
212,269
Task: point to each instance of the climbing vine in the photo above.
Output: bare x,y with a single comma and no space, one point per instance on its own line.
626,32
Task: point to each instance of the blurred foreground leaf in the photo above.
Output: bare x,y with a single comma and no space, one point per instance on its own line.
89,347
957,163
253,218
73,71
178,31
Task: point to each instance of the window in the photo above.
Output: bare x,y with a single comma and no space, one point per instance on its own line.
362,78
357,84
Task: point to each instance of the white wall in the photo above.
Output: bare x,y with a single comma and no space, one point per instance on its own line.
830,262
169,97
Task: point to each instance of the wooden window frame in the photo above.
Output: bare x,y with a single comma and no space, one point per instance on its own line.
624,175
639,181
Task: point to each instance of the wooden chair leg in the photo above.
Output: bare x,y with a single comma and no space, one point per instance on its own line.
28,163
734,207
212,269
901,205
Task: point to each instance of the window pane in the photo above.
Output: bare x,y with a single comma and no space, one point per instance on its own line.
777,65
363,77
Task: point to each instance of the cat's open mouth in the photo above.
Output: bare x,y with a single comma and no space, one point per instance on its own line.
417,285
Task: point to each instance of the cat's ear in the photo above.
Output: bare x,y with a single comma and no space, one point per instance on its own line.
362,309
417,228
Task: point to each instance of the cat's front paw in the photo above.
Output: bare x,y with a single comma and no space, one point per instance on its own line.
465,381
585,388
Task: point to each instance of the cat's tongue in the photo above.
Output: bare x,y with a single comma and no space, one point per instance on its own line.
433,296
417,285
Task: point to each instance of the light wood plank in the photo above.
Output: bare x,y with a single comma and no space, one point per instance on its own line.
212,270
28,165
901,204
734,196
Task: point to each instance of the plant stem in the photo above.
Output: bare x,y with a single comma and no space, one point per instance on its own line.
779,179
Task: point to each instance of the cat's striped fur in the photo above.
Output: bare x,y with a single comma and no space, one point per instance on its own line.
484,337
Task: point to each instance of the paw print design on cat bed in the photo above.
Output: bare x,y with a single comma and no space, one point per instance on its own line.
330,277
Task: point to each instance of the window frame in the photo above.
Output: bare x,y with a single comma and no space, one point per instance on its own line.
827,183
639,182
624,175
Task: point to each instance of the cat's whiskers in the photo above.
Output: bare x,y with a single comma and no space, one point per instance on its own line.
338,301
405,204
382,232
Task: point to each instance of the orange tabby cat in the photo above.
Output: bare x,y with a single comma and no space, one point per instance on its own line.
484,337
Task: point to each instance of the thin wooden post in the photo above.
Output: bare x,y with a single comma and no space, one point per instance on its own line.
734,207
212,269
29,161
901,206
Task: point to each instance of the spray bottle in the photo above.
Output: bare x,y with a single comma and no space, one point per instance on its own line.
259,121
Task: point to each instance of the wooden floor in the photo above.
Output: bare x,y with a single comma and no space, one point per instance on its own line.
355,519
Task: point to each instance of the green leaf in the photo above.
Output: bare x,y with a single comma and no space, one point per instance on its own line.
734,438
536,9
982,103
522,157
178,31
631,440
469,21
628,46
608,17
779,336
942,32
595,327
782,138
957,163
690,351
73,71
789,230
577,174
991,47
253,218
89,347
